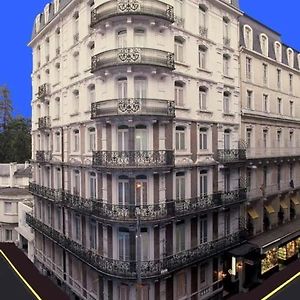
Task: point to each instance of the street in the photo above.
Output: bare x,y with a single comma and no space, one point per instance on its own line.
291,291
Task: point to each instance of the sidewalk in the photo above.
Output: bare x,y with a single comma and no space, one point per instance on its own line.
43,286
270,284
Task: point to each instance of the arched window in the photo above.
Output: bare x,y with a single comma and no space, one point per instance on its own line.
46,12
57,141
203,183
122,38
248,37
139,37
202,56
227,139
264,44
202,98
226,102
76,63
178,51
122,87
92,185
57,107
278,53
290,57
91,139
202,17
179,93
56,6
226,31
226,64
203,138
76,182
37,23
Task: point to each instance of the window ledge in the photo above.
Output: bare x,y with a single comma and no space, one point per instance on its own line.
55,119
182,153
181,108
204,70
74,76
182,64
87,111
204,152
204,111
228,77
74,114
56,84
228,114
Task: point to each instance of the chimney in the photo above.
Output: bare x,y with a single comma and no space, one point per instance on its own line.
12,170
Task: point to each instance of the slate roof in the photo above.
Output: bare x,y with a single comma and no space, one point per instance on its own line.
258,28
14,191
21,170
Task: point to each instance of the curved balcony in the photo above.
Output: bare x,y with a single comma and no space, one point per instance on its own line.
231,155
130,213
133,107
132,56
43,156
44,123
148,8
149,269
43,92
133,159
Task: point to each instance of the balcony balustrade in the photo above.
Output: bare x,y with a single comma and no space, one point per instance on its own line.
43,156
133,159
44,123
148,8
133,107
130,213
231,155
259,153
149,269
132,56
43,91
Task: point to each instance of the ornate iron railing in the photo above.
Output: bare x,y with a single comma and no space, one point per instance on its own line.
134,159
226,41
133,106
44,123
203,31
43,91
133,55
131,212
231,155
43,156
179,21
151,8
150,268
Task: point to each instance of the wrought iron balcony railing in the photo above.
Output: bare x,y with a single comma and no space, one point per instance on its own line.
132,56
133,106
43,156
44,123
226,41
133,159
231,155
43,91
146,213
203,31
152,8
149,269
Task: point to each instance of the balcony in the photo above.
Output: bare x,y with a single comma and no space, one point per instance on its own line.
133,107
148,8
203,31
149,269
44,123
130,213
43,91
279,152
43,156
231,155
133,159
132,56
226,41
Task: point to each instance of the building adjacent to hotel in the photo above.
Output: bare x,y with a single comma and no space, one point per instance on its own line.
136,147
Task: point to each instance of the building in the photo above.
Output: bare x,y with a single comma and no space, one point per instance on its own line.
270,128
136,147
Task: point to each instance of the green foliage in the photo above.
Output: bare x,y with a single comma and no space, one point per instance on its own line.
15,141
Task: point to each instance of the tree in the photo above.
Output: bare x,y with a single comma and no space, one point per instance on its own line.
5,107
15,141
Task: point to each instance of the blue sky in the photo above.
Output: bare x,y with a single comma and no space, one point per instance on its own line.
16,26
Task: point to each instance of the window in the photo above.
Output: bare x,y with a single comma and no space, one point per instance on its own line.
202,17
122,88
265,138
278,176
202,98
76,140
76,102
203,183
57,72
180,138
264,44
77,227
145,292
57,41
179,8
249,99
248,179
76,63
93,235
57,108
227,222
180,186
203,139
57,141
226,139
90,50
124,292
278,78
76,183
76,27
92,185
227,180
181,286
179,90
265,175
178,51
248,137
91,93
7,207
47,46
291,138
265,73
139,38
141,190
279,103
124,244
202,273
8,235
145,247
123,137
277,47
226,31
58,217
58,178
291,171
122,39
56,5
141,138
248,36
248,68
91,139
279,138
226,102
202,51
180,236
226,62
290,57
291,83
203,229
265,103
123,190
291,108
140,87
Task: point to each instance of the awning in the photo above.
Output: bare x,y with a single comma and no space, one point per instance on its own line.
253,214
283,205
269,209
295,200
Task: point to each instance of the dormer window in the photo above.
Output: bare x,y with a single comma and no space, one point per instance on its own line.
37,23
264,44
56,5
277,48
290,57
248,37
46,12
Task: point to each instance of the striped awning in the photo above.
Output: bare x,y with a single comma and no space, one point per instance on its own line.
283,205
252,213
269,208
295,200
